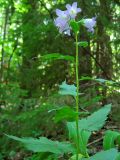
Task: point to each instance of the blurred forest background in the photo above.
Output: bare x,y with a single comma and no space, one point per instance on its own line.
29,83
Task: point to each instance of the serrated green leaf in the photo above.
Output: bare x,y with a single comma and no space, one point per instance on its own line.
104,155
109,139
87,125
95,121
65,113
45,145
55,56
66,89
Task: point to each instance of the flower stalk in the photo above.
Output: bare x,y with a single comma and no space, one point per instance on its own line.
77,96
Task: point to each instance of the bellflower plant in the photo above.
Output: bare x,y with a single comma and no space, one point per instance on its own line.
80,130
66,21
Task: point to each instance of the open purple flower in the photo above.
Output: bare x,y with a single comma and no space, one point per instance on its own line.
63,26
90,23
62,21
62,14
72,10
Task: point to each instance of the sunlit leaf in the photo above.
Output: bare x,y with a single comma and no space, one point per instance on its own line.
66,89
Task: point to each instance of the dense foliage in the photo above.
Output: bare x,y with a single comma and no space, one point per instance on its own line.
39,86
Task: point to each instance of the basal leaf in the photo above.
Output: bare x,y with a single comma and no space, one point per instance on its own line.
95,121
83,138
45,145
87,125
109,139
80,156
104,155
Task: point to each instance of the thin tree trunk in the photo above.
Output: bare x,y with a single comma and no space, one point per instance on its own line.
104,51
4,38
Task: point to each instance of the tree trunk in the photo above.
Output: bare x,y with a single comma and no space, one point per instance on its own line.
4,38
104,51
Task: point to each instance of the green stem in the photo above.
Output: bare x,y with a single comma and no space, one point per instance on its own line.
77,96
77,99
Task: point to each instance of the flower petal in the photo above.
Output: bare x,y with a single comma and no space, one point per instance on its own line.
74,4
68,6
59,12
79,10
